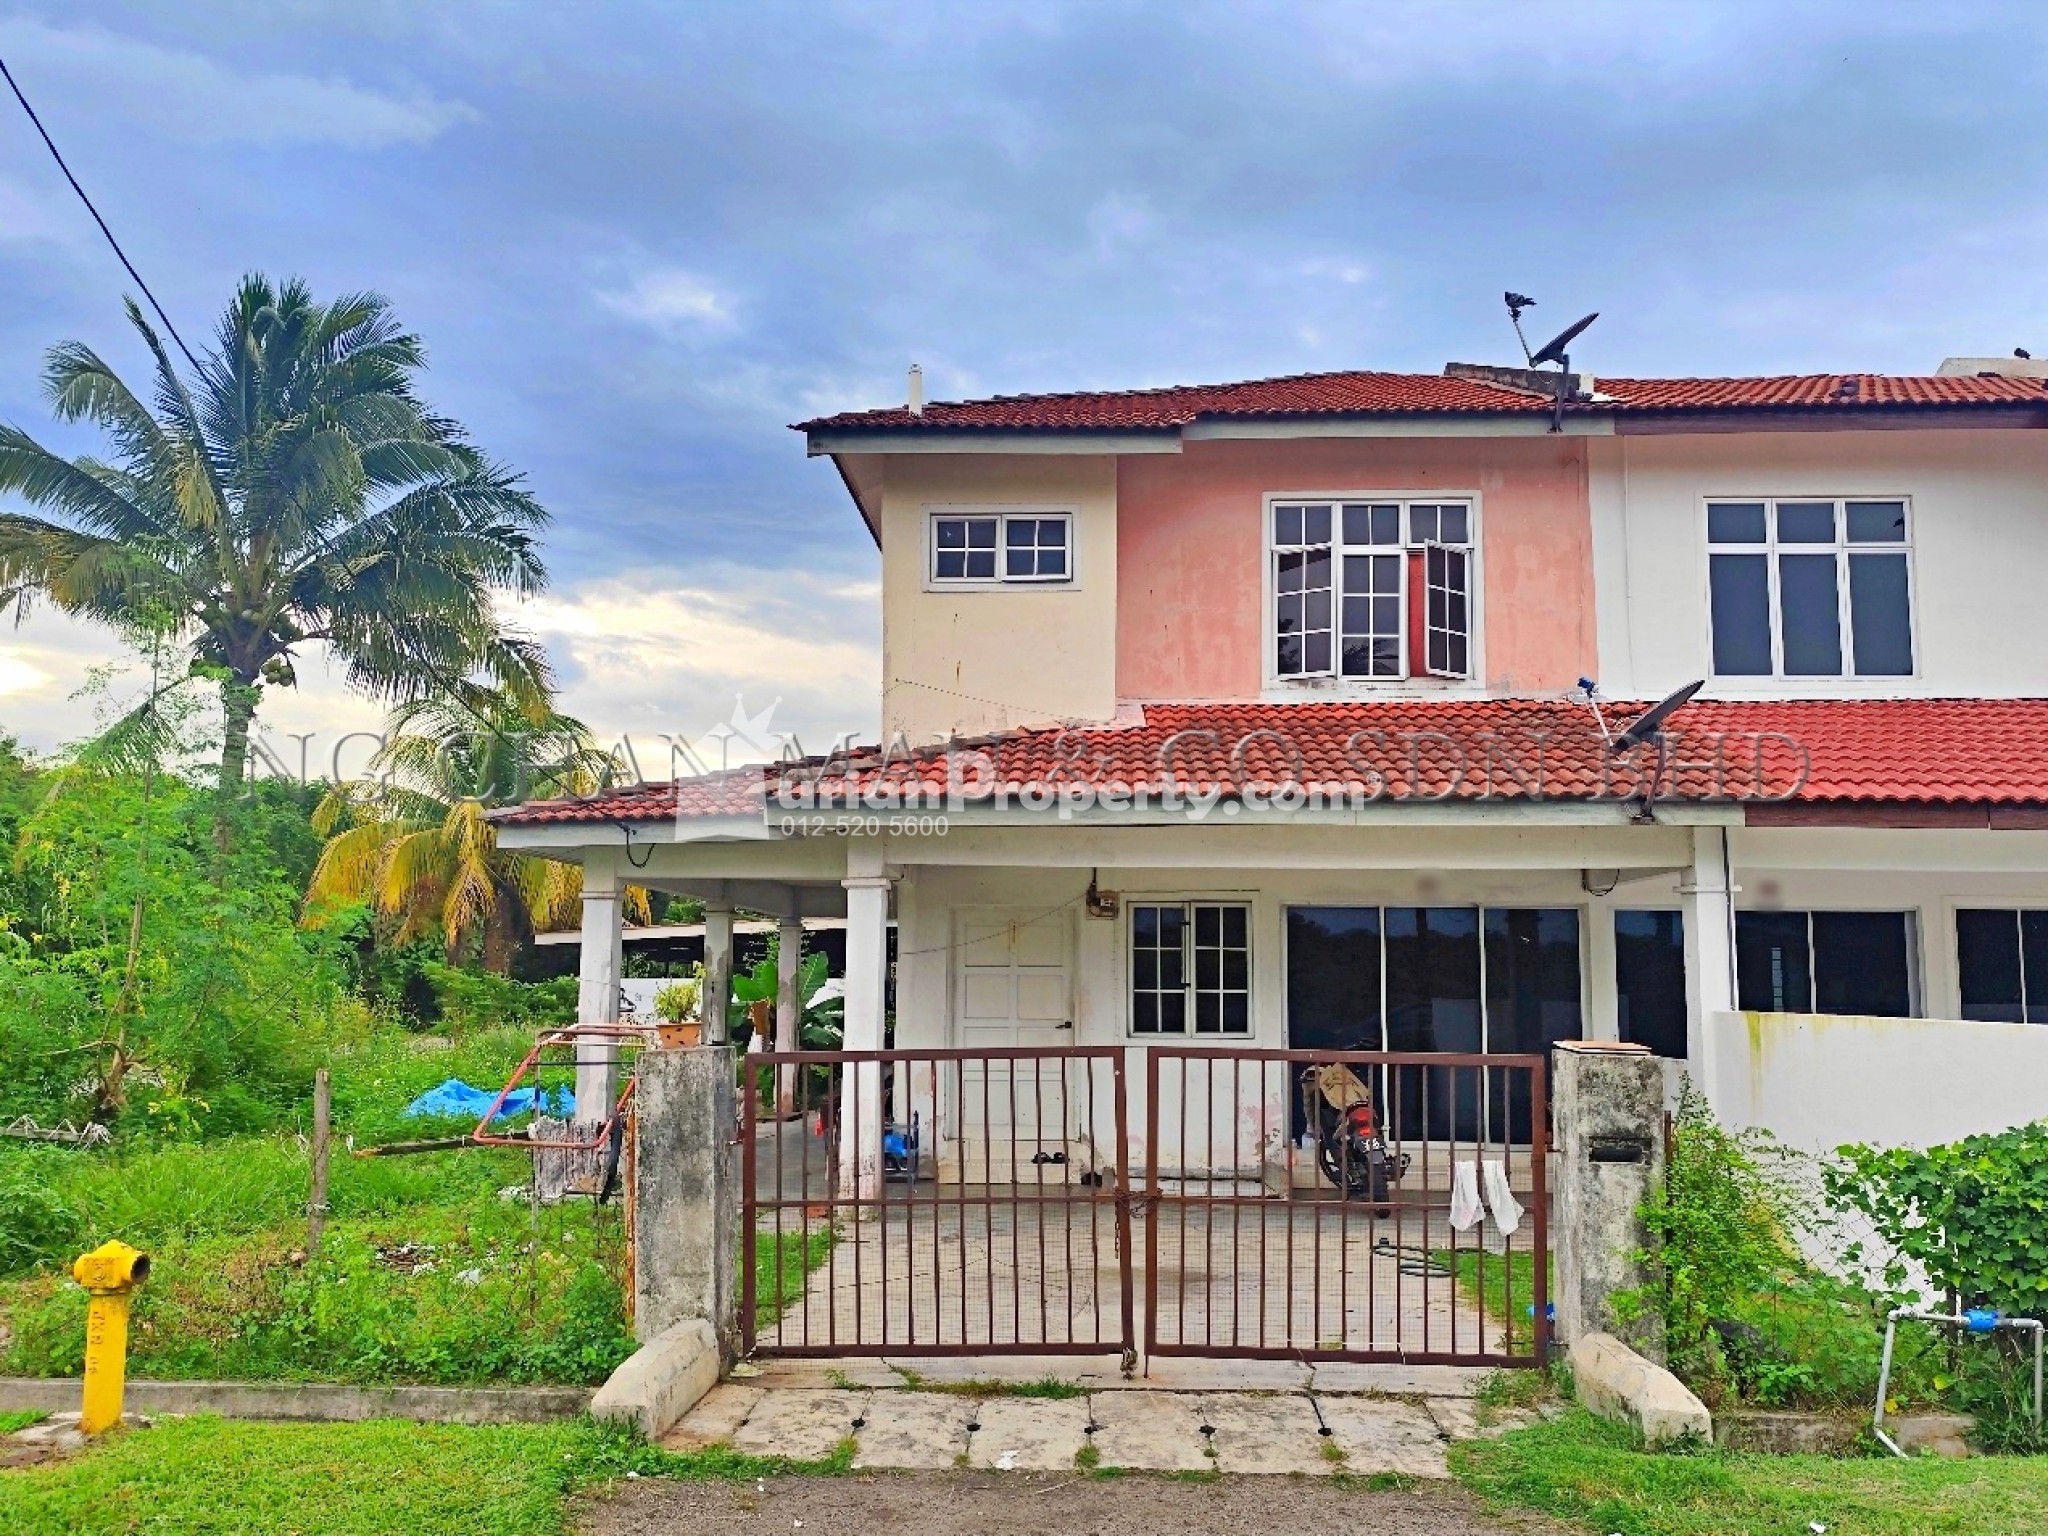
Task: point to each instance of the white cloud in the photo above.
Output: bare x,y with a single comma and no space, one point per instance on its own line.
660,651
198,99
665,296
670,652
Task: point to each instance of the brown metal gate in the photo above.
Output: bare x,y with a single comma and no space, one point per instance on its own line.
982,1202
944,1202
1252,1251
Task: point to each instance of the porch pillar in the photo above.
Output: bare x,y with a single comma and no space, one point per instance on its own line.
597,990
717,971
789,946
867,986
1708,891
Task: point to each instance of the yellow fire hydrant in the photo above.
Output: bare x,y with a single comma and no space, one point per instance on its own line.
109,1274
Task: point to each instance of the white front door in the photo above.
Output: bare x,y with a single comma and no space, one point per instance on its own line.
1014,988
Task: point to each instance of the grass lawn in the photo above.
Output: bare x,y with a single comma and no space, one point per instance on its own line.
1503,1283
1583,1469
428,1273
380,1479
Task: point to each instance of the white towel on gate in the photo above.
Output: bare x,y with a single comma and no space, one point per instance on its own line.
1507,1211
1466,1211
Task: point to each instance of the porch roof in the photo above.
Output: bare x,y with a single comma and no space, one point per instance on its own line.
1782,759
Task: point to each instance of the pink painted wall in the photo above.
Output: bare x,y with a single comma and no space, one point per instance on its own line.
1190,542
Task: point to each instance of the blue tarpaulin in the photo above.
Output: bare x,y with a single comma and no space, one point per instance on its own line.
455,1097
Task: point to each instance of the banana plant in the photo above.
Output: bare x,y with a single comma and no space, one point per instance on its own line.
820,1020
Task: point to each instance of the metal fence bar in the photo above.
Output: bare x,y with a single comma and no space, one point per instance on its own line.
1386,1278
909,1234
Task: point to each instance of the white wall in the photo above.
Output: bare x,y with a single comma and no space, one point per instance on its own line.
1980,546
1821,1081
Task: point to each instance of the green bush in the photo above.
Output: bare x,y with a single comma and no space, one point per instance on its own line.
472,1000
1722,1223
1972,1217
1746,1315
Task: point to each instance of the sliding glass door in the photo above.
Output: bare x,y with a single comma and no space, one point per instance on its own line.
1454,979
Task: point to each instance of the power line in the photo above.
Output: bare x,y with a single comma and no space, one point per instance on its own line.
51,144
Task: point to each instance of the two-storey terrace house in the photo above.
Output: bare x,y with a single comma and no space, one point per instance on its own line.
1254,714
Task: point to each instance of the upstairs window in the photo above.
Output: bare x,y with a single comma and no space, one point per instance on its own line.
1810,588
1001,548
1372,589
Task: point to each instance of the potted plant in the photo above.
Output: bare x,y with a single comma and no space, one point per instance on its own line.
679,1006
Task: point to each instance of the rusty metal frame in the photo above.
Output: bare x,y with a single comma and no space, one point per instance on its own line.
1105,1202
1252,1338
571,1036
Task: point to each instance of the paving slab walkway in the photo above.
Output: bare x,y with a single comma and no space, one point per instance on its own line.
1261,1433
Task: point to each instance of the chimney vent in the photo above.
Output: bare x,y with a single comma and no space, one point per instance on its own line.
916,390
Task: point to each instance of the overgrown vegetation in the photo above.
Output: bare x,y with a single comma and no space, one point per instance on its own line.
1750,1318
1972,1218
1747,1316
434,1269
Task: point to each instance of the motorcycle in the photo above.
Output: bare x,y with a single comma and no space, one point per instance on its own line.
1351,1150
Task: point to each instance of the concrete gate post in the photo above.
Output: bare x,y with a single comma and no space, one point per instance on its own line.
686,1218
1608,1107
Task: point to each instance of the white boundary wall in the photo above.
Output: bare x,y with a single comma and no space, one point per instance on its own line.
1821,1081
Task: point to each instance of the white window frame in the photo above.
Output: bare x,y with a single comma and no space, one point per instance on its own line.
1278,684
1002,516
1950,907
1188,905
1841,548
1916,931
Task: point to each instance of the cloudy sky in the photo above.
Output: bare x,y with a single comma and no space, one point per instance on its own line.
641,239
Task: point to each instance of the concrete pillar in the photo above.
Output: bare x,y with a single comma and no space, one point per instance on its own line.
789,947
717,970
1708,891
1608,1108
597,990
686,1214
867,985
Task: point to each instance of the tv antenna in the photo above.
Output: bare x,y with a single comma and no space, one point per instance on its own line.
1552,351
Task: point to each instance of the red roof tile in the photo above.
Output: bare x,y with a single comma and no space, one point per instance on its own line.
1982,752
1369,394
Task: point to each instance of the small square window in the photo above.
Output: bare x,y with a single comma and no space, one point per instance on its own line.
1032,548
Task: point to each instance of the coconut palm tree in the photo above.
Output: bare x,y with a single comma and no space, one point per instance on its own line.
293,490
411,839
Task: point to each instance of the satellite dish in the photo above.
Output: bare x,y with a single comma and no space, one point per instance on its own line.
1553,350
1648,725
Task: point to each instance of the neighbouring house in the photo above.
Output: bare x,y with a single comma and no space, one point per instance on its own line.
1252,714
